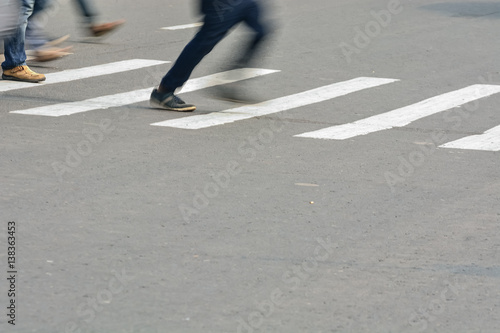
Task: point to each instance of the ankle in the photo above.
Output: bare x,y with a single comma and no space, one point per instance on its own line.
162,90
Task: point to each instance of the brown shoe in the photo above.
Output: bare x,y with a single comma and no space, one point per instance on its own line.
98,30
57,41
51,54
22,73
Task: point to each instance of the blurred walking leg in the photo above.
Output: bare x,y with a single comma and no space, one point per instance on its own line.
44,50
219,18
14,67
9,17
253,18
89,13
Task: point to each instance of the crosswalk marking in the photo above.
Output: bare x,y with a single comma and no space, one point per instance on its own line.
489,140
276,105
83,73
406,115
2,57
141,95
184,26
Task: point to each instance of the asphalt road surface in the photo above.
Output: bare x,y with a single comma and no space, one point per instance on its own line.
361,195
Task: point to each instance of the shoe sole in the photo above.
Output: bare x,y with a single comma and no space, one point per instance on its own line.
13,78
157,105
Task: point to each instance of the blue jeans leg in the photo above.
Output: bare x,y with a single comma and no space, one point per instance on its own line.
35,34
88,10
15,54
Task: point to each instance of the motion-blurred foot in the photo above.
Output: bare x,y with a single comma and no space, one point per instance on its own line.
232,94
43,55
56,41
98,30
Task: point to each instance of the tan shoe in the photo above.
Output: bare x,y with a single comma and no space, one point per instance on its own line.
98,30
49,54
22,73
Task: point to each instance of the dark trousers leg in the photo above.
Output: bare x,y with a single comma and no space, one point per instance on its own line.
87,9
210,34
216,26
253,18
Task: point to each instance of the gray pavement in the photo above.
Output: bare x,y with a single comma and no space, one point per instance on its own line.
126,227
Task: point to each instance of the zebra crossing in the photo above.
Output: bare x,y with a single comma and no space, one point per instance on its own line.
140,95
84,73
276,105
487,141
406,115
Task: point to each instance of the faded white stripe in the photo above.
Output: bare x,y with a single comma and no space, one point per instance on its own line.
141,95
184,26
83,73
406,115
489,140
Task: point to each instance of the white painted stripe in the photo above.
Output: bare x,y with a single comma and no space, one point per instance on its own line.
276,105
142,95
83,73
489,140
406,115
2,57
184,26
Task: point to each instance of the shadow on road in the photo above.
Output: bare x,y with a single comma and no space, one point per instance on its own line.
473,9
